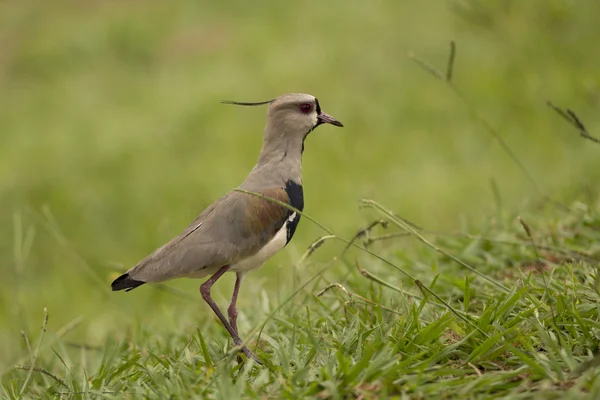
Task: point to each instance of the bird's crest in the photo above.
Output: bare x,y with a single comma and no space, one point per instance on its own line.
241,103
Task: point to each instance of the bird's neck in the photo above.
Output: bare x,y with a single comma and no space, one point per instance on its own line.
282,158
280,149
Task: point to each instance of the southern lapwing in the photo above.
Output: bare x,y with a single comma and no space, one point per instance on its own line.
240,231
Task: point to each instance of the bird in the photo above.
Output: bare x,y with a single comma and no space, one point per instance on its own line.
241,230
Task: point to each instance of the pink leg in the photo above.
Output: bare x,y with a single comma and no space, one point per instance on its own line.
232,310
205,292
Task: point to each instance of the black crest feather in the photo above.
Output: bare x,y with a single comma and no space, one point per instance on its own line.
241,103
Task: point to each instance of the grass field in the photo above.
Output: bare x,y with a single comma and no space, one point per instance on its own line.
114,139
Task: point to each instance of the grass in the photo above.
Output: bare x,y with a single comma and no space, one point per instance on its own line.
526,326
114,138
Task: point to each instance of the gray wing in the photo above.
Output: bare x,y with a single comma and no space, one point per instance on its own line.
234,227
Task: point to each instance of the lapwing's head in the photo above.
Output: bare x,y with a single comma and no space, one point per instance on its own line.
292,116
298,114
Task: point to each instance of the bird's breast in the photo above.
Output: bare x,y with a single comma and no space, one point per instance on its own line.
274,245
283,235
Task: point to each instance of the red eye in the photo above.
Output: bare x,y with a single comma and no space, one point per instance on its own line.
305,108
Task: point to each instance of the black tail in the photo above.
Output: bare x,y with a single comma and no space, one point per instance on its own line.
125,282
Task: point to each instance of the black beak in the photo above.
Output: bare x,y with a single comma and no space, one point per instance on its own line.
323,118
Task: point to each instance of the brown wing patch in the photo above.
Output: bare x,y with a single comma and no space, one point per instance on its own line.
265,216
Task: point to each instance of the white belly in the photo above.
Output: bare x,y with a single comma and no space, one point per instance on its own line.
277,243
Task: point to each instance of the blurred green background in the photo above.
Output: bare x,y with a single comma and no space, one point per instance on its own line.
113,138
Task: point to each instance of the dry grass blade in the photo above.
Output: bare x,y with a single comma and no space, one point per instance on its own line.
372,239
527,230
511,154
451,57
380,281
314,246
59,334
415,233
45,372
427,66
573,120
34,356
352,295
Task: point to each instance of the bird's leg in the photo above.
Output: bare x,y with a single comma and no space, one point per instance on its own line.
205,292
232,310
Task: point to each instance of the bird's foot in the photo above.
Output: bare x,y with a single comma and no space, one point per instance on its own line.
249,354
